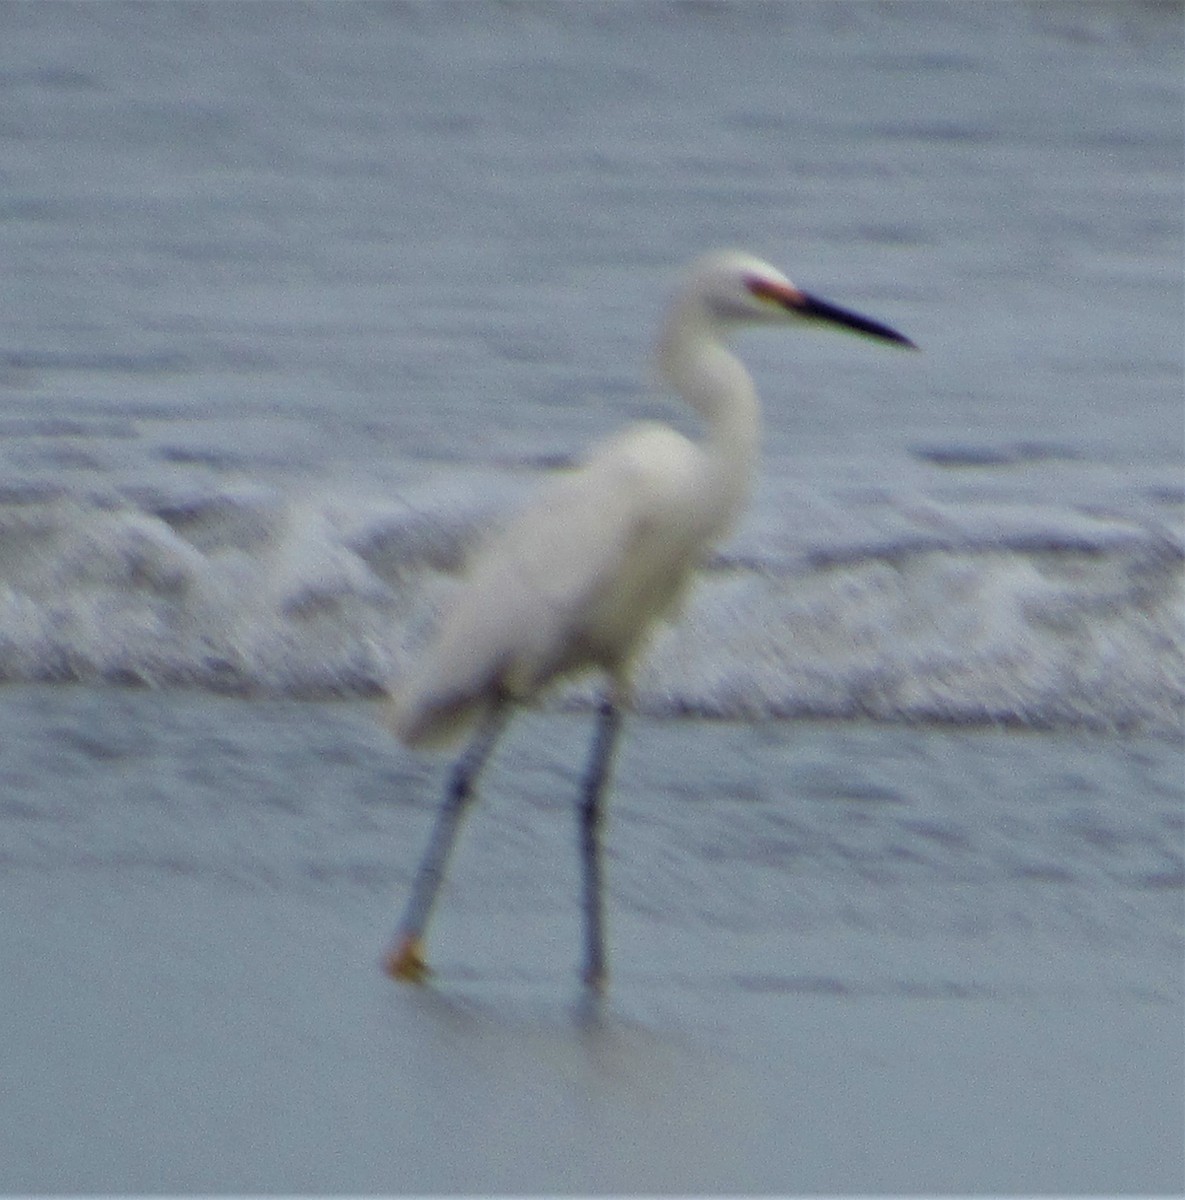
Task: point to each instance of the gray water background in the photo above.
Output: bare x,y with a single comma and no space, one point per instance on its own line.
269,268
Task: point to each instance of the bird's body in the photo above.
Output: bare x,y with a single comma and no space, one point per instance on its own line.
581,576
575,581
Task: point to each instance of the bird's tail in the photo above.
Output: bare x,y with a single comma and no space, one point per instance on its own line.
429,720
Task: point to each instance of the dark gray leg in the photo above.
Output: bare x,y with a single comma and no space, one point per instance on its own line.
406,959
596,776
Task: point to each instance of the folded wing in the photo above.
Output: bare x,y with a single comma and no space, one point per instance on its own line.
576,580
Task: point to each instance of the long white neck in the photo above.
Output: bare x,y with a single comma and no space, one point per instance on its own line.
695,362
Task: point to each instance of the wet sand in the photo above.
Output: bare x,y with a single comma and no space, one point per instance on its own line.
172,1035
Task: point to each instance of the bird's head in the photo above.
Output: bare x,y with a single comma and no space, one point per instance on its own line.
735,288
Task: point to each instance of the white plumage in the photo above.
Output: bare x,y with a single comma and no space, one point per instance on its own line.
580,577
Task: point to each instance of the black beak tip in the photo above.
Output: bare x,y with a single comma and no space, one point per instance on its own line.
823,310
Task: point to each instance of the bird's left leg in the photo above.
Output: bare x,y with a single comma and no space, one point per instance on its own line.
406,959
595,778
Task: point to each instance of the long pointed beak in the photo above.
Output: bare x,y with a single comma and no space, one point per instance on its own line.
815,309
803,304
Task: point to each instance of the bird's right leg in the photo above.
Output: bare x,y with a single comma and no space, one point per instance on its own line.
406,959
596,776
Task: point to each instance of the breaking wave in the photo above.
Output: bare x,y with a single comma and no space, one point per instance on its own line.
948,617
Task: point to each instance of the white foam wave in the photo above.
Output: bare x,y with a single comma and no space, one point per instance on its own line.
1034,617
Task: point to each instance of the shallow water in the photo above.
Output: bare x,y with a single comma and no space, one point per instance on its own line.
839,952
299,301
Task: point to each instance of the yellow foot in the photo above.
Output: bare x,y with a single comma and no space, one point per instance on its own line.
406,961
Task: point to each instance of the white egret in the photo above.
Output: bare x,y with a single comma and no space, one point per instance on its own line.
579,579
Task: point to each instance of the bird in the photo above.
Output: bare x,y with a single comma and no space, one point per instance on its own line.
581,577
